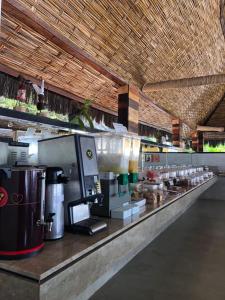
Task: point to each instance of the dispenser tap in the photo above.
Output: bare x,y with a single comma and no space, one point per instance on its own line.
49,221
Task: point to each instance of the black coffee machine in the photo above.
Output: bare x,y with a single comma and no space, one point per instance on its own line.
22,196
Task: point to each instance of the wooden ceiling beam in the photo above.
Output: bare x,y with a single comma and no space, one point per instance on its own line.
209,128
52,88
30,19
185,82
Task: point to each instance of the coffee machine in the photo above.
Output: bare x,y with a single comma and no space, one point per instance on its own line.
22,196
18,153
76,155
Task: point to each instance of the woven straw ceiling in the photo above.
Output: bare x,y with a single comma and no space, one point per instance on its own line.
142,41
25,51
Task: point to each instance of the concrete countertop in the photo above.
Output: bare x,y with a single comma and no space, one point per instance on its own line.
57,255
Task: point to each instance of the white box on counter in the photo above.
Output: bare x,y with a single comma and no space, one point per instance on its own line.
121,213
139,203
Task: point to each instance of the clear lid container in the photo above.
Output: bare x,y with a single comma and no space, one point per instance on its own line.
113,151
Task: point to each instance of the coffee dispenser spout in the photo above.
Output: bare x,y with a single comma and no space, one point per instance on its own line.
49,221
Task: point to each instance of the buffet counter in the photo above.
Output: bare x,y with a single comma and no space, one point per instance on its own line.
76,266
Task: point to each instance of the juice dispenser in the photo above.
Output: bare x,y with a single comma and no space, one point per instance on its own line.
134,158
113,151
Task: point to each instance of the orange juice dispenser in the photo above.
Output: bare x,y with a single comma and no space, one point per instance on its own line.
134,159
113,152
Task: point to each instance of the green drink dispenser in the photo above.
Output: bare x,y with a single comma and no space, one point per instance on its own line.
113,152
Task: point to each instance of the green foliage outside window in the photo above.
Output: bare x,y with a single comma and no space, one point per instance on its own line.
220,147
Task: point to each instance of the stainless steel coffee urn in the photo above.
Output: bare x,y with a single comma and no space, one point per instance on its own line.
54,203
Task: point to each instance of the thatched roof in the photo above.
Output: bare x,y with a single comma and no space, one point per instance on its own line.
140,41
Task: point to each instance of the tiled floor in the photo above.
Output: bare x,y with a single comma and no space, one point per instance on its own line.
186,262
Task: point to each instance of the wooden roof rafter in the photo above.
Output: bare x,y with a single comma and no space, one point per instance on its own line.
27,17
185,82
97,28
52,88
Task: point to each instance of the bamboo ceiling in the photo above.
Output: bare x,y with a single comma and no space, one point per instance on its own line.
26,51
142,41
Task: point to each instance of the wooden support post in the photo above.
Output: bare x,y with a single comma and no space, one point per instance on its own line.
197,141
194,139
200,141
128,107
176,126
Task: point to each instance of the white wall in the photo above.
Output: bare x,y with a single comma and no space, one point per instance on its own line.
179,159
214,160
172,159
